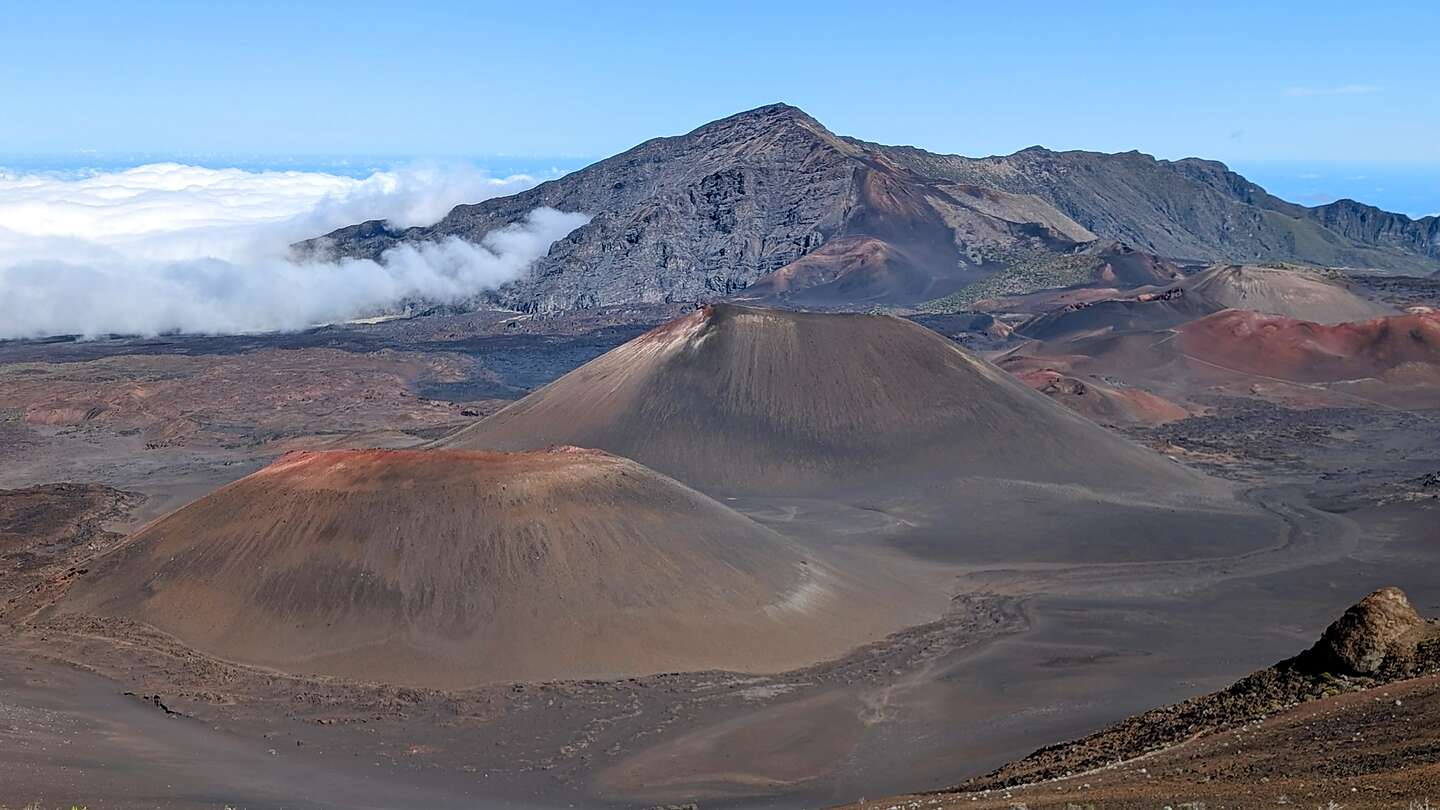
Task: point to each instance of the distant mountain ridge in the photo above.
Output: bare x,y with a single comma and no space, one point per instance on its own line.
1194,208
771,202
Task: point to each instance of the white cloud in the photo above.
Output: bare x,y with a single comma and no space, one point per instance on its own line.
1336,90
168,247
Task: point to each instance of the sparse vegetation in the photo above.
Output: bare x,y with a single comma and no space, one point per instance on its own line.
1025,272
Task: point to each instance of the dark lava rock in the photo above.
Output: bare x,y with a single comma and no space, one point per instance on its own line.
702,216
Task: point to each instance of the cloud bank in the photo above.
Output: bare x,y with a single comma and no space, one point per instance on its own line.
169,247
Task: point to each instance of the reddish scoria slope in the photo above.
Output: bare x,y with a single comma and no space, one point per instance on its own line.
1302,351
449,569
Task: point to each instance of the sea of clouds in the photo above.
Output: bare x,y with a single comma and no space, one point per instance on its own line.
169,247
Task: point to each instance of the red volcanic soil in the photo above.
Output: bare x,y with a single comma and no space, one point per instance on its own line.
1102,403
450,569
1302,351
736,400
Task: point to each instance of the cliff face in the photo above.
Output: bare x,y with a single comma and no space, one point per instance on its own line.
1195,209
701,216
1369,225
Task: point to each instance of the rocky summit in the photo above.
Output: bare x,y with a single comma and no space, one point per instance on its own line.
771,203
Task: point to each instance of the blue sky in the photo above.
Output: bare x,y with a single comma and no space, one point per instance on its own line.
1254,82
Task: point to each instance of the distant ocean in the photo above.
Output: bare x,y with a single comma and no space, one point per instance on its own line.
1411,189
357,166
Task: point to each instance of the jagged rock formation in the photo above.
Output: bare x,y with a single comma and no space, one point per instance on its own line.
772,196
1371,226
700,216
1193,208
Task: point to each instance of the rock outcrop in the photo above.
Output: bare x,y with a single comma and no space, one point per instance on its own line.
700,216
1379,640
772,196
1381,627
1194,209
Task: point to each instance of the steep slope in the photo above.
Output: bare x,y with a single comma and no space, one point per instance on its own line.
449,569
702,215
1293,292
1192,208
736,400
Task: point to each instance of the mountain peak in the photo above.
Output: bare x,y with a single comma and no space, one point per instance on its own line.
778,109
771,116
698,216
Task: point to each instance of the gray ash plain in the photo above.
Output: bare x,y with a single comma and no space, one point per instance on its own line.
115,715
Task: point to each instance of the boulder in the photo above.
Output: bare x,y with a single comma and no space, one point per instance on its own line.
1376,628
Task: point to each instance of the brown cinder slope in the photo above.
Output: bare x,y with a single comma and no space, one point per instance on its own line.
1294,292
735,400
449,569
